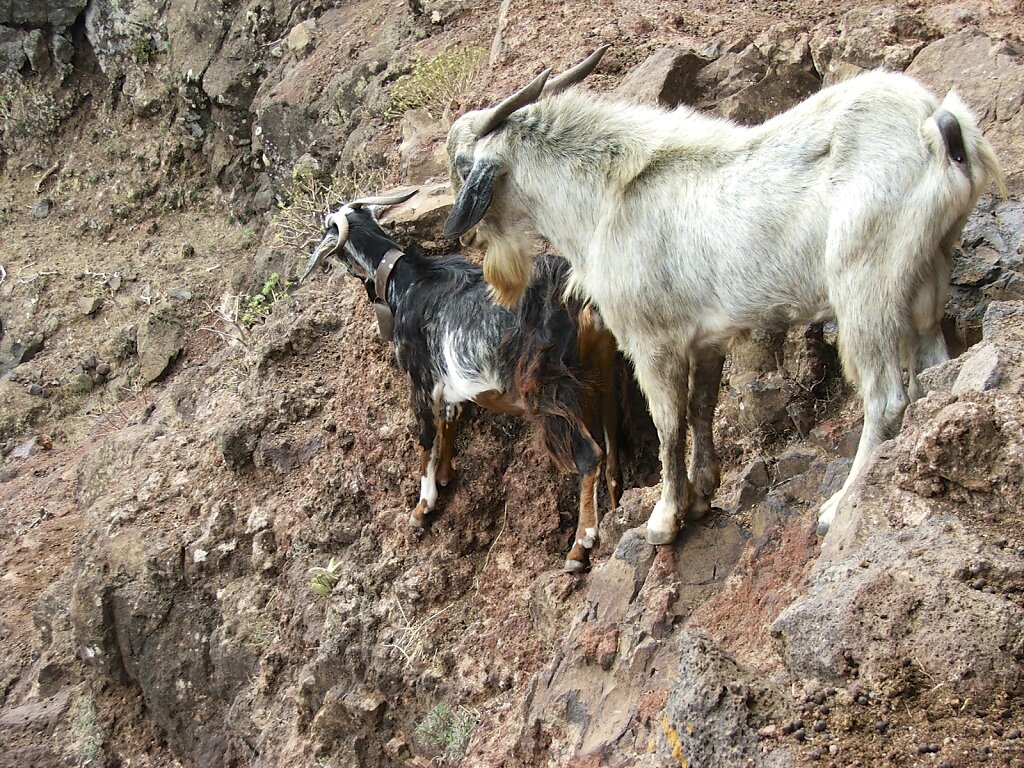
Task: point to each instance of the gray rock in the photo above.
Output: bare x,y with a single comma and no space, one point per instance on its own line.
667,78
43,208
160,340
423,154
992,75
12,49
301,38
730,704
90,305
981,369
59,14
869,38
1004,323
421,217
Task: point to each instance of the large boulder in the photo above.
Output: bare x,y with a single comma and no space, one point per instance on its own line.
989,74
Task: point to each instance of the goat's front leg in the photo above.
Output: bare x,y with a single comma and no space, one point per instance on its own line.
430,450
665,383
588,459
705,468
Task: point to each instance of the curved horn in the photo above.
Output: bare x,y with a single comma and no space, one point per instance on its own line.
381,200
574,75
497,115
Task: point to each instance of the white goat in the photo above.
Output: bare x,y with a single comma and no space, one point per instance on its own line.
686,230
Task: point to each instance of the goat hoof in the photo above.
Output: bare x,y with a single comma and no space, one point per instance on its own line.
699,508
574,566
658,538
417,518
827,513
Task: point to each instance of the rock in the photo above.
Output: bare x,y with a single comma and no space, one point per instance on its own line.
59,14
900,548
869,38
991,74
794,461
12,49
981,369
160,339
35,390
786,44
1004,323
730,704
750,486
82,383
43,208
666,78
763,401
301,37
421,218
182,293
423,153
306,167
28,448
90,305
37,52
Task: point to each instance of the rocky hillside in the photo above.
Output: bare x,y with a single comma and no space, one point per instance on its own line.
186,436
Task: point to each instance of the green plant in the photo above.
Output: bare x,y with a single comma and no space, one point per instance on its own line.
88,741
434,83
28,112
448,730
325,579
144,50
256,307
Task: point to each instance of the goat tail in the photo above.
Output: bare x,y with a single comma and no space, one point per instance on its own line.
953,135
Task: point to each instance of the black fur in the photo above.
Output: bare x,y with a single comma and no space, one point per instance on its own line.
531,350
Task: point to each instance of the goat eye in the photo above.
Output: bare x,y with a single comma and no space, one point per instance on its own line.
463,165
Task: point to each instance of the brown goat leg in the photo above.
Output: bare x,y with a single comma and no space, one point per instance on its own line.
705,468
578,558
446,435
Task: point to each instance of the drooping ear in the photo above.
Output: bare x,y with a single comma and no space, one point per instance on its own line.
473,199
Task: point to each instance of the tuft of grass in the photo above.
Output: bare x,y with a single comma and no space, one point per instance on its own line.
325,579
255,308
433,84
28,112
448,730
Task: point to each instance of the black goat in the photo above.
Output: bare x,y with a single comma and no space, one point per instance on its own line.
549,360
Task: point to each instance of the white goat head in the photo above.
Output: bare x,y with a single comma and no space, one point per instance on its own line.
481,146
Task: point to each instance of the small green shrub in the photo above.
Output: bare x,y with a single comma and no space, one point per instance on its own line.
28,112
448,730
434,83
325,579
256,308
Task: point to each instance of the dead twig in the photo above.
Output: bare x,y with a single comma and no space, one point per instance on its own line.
3,274
46,175
41,273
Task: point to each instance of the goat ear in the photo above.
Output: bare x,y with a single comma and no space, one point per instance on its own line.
472,201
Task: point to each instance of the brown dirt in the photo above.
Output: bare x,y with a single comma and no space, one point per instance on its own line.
123,203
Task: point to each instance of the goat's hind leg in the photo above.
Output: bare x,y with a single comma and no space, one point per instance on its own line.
871,355
705,468
447,425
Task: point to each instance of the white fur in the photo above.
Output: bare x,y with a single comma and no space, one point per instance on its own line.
685,230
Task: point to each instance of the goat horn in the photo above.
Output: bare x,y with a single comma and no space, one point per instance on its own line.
574,75
382,200
497,115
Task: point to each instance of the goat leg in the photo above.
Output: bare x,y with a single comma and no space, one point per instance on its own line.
705,469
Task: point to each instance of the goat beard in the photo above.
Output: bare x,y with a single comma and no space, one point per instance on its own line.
507,269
